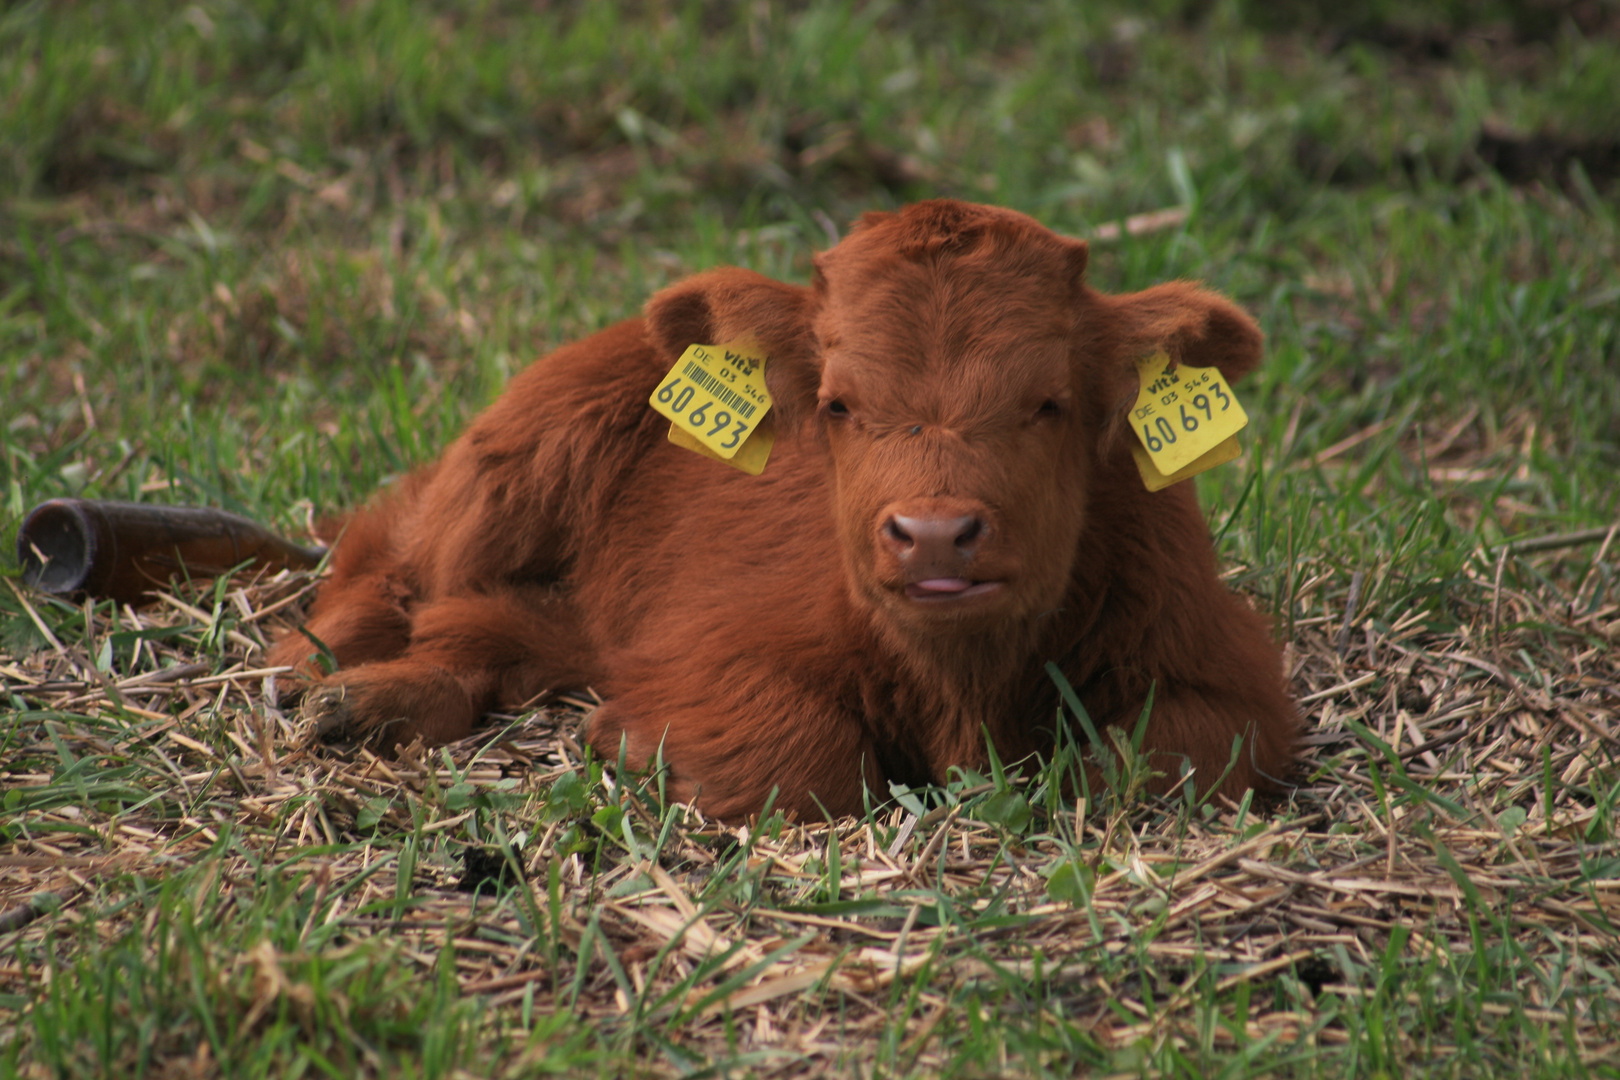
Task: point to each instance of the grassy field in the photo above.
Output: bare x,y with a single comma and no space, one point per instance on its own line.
266,255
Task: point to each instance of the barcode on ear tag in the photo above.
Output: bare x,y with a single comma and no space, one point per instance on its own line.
717,395
1181,415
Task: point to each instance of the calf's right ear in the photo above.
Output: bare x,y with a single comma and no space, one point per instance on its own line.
733,306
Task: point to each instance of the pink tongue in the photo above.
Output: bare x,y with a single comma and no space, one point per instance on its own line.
943,585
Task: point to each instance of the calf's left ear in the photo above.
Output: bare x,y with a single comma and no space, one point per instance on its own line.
1196,327
733,306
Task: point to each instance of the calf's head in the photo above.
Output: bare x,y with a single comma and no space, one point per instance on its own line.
967,385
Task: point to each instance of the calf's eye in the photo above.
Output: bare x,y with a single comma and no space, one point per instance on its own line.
837,408
1049,408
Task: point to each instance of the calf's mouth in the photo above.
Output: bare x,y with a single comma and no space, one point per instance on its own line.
948,590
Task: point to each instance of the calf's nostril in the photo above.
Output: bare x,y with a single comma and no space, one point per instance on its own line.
970,533
896,535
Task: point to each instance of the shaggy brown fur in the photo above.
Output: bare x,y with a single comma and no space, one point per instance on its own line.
951,504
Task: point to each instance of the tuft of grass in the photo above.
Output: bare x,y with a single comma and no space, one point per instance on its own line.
269,257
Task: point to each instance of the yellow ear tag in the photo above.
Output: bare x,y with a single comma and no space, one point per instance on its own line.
750,456
1155,480
1185,420
715,396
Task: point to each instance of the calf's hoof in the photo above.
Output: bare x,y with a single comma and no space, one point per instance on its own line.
324,714
388,705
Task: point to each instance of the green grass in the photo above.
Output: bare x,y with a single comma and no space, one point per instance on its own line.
266,256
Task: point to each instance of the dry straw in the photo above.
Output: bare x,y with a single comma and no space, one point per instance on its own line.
1443,786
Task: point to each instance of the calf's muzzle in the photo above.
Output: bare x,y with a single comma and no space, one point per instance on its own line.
932,540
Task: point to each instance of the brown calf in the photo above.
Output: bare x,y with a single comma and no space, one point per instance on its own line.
951,504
